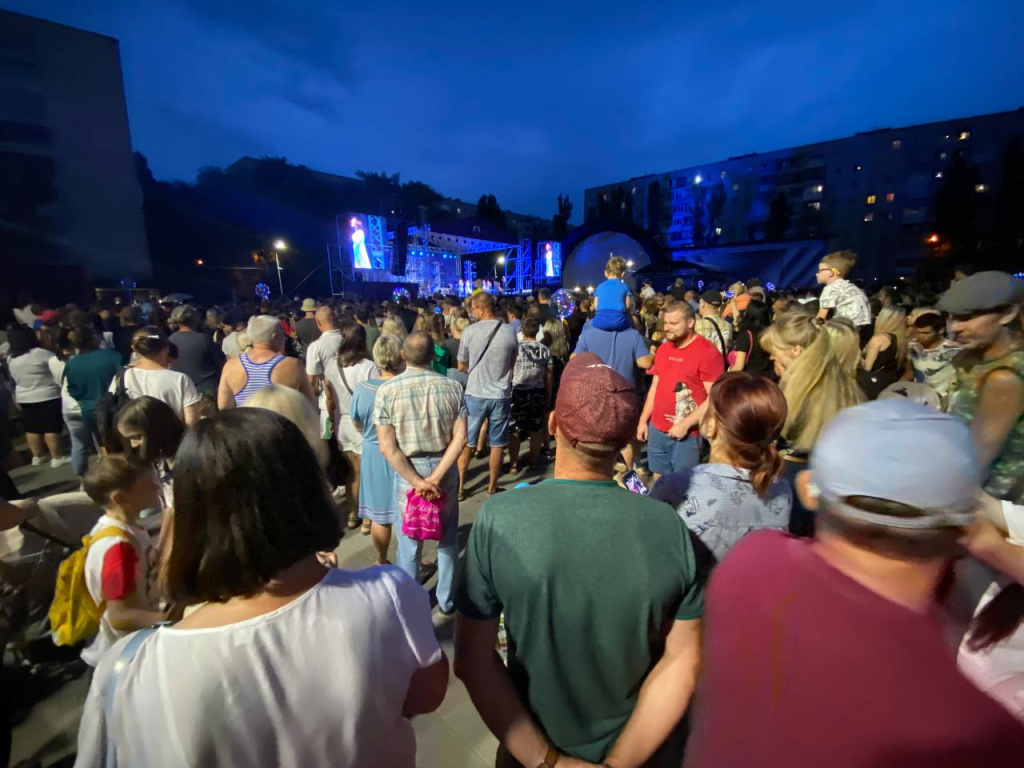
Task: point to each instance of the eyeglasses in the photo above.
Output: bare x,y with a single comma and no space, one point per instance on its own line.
824,269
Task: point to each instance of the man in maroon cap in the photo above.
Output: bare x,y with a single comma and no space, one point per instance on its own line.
599,591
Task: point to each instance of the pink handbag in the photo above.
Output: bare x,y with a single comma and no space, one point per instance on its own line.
422,518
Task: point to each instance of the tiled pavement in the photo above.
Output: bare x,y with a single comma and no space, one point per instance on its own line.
452,737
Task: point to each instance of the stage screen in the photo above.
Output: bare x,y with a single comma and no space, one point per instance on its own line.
358,233
550,255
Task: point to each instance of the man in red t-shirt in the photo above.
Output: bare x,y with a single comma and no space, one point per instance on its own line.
685,367
830,651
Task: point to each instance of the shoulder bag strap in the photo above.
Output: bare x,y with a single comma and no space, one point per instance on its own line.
486,346
721,338
345,380
110,689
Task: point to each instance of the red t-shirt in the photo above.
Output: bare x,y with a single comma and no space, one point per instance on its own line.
681,375
803,666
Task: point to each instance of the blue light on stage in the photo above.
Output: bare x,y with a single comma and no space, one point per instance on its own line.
700,285
128,284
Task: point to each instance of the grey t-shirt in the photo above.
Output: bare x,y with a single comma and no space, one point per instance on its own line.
490,376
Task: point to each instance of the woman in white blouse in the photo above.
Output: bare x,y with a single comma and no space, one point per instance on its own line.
288,663
152,375
37,395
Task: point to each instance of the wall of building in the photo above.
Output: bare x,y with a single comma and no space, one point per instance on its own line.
72,197
872,192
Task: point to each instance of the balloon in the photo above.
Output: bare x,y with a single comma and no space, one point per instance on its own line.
563,303
399,293
262,290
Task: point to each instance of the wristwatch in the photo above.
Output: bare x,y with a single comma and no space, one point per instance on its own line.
550,758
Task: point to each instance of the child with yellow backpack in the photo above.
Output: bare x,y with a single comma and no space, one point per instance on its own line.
102,588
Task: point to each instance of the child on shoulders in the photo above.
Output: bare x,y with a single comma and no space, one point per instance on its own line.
612,299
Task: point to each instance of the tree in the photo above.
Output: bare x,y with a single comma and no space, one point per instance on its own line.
487,208
560,221
654,208
779,216
1008,226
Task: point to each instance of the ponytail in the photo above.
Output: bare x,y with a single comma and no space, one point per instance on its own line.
997,620
767,470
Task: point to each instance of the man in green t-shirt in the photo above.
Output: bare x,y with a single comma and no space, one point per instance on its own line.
600,595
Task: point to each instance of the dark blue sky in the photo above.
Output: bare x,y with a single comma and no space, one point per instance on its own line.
530,99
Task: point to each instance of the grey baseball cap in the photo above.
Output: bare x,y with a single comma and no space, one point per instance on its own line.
898,451
981,291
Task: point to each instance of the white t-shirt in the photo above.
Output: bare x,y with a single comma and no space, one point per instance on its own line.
847,300
68,404
321,351
354,375
33,377
172,387
107,636
230,345
318,682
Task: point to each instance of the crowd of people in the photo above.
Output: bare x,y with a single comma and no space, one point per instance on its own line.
779,527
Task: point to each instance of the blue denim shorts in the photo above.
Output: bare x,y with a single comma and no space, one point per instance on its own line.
496,412
666,454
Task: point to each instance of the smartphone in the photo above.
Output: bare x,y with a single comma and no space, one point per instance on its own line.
633,483
728,294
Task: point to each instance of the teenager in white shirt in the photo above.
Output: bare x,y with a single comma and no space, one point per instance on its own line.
287,663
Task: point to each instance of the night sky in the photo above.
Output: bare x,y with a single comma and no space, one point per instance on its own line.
528,100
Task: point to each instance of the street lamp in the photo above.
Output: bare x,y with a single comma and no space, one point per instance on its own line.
279,245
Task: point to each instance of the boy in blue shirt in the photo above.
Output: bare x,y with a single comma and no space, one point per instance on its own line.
612,299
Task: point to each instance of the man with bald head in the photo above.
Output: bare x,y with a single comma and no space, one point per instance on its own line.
421,427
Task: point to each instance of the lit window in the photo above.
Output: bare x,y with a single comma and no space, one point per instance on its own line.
981,187
964,135
870,200
819,189
718,230
869,216
897,144
939,174
722,175
815,206
943,155
735,187
634,190
890,197
856,167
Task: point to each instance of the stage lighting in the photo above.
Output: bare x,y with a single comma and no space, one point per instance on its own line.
501,259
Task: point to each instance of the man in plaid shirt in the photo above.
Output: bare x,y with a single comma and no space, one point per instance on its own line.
421,426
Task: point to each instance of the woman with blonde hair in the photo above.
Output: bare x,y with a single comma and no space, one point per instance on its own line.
817,366
393,327
886,355
295,407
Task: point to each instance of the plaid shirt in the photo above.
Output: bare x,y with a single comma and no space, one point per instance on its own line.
423,407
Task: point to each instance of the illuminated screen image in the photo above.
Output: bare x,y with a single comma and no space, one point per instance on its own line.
551,254
358,227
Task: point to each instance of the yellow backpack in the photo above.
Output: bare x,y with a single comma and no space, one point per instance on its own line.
74,615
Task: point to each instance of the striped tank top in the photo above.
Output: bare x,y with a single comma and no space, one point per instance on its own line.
257,376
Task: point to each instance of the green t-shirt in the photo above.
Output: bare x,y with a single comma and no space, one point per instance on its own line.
589,576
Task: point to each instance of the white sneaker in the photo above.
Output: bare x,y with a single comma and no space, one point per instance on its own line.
58,463
339,494
38,461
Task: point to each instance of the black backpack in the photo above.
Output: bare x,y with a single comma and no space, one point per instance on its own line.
107,408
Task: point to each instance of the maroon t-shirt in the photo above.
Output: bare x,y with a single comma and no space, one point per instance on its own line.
803,666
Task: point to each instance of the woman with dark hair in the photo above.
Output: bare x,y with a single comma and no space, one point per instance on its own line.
251,512
341,377
150,429
748,354
434,325
38,396
152,375
739,490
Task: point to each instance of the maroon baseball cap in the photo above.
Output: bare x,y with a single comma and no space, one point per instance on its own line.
49,316
595,403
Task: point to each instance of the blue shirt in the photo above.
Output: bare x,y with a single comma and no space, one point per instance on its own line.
618,349
611,295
